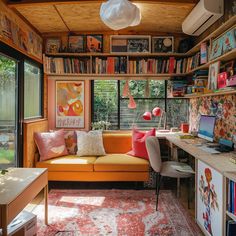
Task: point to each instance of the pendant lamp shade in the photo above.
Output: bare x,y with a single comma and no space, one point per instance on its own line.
119,14
126,89
132,103
147,115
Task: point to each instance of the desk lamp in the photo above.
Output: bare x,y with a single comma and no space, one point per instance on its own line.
157,111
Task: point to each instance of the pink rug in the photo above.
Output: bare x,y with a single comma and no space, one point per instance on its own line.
114,212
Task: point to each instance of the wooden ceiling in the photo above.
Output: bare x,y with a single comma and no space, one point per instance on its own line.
83,15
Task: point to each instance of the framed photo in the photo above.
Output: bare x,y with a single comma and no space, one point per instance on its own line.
53,45
118,45
229,68
209,199
217,46
70,104
163,44
94,43
76,43
229,41
214,70
138,45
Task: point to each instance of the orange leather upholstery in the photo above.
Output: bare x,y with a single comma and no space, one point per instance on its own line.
117,142
115,166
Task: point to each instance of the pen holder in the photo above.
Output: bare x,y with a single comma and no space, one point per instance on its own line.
185,127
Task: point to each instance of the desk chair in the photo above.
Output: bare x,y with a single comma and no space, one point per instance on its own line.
164,169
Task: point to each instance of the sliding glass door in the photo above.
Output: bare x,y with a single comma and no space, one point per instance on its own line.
8,112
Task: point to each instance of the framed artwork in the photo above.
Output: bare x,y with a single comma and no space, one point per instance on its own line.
229,68
94,43
53,45
138,45
70,104
213,74
229,41
76,43
163,44
217,46
118,45
209,199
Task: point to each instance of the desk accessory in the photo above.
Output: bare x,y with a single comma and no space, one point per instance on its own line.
185,127
225,145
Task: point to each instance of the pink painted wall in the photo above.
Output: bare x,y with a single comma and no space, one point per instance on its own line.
52,104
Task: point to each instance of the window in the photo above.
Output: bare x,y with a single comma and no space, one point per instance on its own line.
109,105
32,91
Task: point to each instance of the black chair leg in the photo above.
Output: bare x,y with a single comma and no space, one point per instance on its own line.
189,191
157,181
158,190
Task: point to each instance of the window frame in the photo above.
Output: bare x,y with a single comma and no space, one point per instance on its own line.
165,99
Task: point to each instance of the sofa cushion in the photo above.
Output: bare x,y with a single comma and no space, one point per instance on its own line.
68,163
71,141
120,162
50,144
90,143
117,142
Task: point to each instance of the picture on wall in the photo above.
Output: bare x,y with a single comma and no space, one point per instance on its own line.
138,45
213,74
76,43
217,46
70,104
209,200
229,41
94,43
163,44
53,45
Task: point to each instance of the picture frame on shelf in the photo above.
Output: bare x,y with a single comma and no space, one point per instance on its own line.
53,45
70,108
229,68
76,43
163,44
214,70
138,45
217,48
94,43
229,40
118,45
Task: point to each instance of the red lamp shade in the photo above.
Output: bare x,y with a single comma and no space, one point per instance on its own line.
132,104
147,115
157,111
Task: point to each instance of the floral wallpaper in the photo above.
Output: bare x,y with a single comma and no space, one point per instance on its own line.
222,106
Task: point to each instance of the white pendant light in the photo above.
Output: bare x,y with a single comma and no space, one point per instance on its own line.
119,14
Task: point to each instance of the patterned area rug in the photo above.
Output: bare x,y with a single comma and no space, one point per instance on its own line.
114,212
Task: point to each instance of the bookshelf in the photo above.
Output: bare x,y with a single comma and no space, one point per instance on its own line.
229,176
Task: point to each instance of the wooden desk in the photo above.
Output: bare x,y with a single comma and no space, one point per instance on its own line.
219,166
18,187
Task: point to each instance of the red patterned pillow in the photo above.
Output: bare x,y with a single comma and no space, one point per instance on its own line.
138,143
50,144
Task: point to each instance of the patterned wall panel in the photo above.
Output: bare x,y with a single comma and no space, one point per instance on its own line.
222,106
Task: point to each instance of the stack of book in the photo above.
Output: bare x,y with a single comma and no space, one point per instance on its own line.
231,197
110,65
67,65
152,65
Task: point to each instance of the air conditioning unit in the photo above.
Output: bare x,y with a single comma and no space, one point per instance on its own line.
203,15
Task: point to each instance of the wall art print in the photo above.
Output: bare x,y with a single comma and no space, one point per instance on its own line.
70,104
209,199
222,106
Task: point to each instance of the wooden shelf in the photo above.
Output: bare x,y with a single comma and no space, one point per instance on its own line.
67,54
230,175
118,76
225,26
232,216
225,92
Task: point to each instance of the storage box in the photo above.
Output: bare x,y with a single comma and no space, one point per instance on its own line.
25,224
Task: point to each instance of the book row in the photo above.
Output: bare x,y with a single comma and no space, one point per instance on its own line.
231,204
67,65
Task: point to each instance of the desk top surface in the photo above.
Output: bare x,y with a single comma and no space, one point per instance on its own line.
15,181
219,162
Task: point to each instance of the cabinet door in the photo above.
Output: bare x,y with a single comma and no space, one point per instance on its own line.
209,200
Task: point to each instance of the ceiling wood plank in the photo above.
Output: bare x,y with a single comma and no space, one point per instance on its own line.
56,2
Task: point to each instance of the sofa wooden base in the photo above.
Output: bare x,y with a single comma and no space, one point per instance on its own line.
98,176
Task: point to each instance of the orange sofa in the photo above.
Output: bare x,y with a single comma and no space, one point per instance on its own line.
114,166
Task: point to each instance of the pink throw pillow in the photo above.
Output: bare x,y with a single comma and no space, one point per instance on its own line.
138,143
50,144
